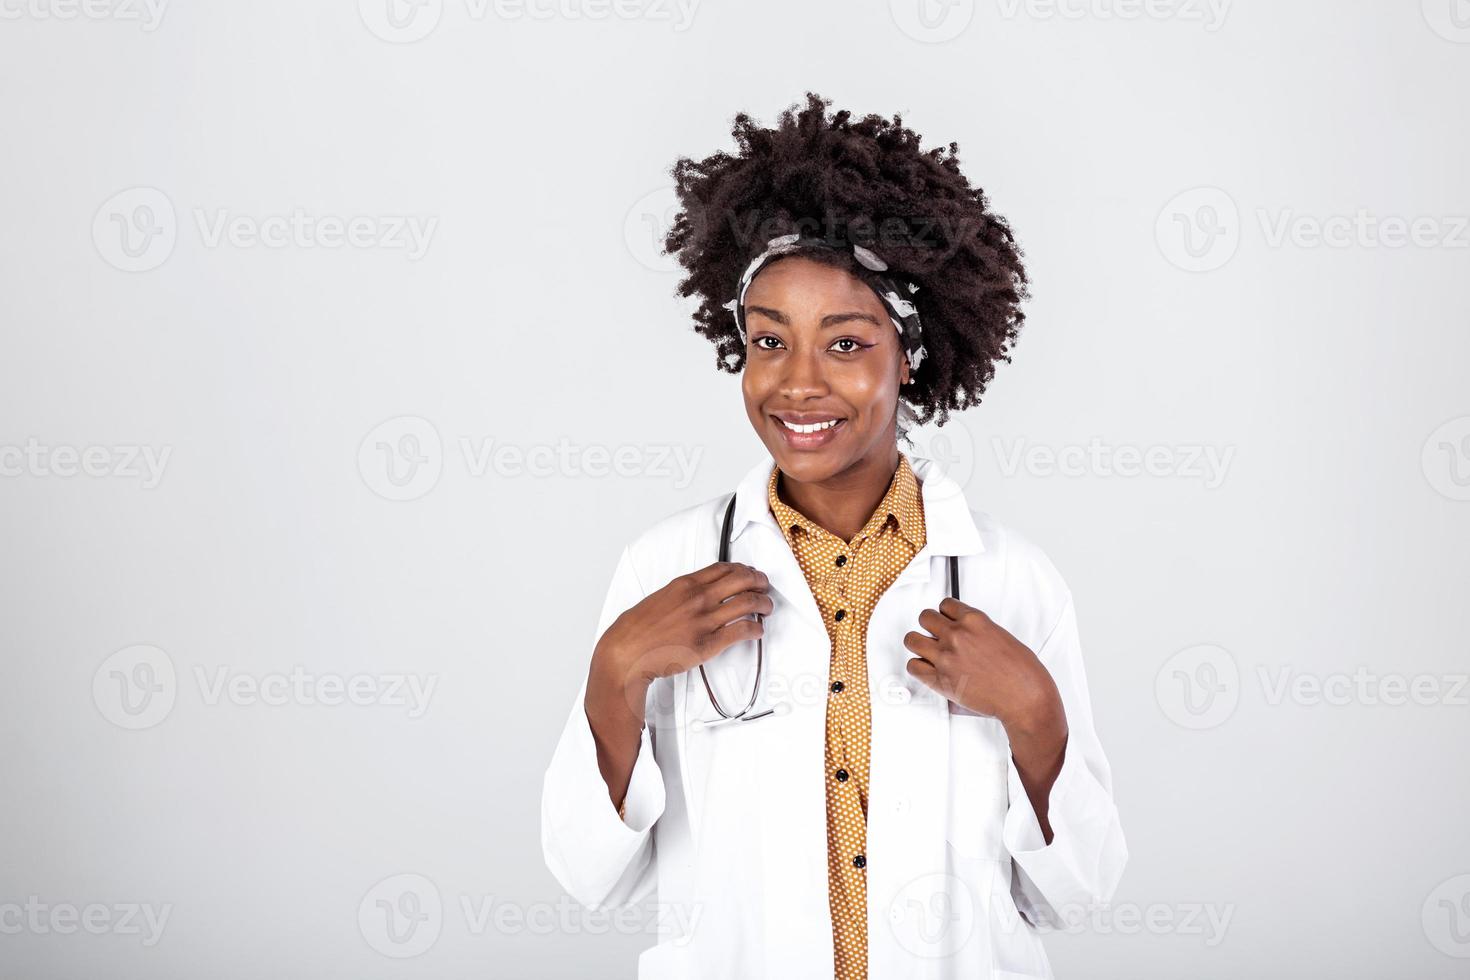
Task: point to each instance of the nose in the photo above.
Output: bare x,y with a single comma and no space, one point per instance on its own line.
803,376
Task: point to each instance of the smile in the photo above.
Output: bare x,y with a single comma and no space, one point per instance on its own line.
809,435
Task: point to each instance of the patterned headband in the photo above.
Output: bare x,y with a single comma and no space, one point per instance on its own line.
900,311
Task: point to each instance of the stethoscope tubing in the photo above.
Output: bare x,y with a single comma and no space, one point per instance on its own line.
760,644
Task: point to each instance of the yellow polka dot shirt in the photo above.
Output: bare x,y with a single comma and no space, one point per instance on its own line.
846,578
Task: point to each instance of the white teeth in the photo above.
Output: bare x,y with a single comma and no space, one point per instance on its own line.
814,427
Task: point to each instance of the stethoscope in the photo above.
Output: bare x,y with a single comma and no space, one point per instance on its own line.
760,645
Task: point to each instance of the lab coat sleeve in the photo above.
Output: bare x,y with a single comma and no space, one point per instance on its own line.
1084,861
602,861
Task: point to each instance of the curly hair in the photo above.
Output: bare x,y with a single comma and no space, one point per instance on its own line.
867,182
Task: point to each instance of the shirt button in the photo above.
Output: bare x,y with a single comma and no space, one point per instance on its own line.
841,775
859,862
841,560
837,687
839,614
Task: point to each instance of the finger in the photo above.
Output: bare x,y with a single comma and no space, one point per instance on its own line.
742,604
732,633
925,646
954,609
935,622
716,571
924,671
738,578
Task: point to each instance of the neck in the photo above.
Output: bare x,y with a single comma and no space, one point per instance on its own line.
843,502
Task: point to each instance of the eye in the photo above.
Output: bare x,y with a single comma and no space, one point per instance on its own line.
756,342
855,345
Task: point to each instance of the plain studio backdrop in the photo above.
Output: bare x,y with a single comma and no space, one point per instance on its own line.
339,363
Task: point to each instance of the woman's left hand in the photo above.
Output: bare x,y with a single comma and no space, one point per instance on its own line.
973,661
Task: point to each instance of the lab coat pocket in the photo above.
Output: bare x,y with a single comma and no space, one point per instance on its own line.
979,754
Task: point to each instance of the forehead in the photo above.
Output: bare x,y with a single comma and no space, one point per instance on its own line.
797,281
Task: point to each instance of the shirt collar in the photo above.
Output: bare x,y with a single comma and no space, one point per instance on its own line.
901,504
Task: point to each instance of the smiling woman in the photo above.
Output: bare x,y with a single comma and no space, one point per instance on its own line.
947,773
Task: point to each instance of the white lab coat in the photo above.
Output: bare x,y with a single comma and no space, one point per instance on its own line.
728,823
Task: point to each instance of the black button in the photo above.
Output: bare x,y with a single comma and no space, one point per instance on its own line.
839,614
841,560
859,862
837,687
841,775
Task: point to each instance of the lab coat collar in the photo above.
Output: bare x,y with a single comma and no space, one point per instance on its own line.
949,526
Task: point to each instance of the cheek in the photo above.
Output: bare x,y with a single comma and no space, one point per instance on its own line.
753,389
873,393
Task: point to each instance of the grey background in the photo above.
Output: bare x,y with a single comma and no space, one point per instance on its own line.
1328,835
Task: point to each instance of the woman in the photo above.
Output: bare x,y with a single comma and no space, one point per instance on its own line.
916,783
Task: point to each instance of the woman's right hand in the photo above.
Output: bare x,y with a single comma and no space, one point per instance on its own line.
682,625
672,630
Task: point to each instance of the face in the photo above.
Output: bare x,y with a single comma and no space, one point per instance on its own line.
821,350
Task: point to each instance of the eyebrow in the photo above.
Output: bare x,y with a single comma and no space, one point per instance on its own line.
830,320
